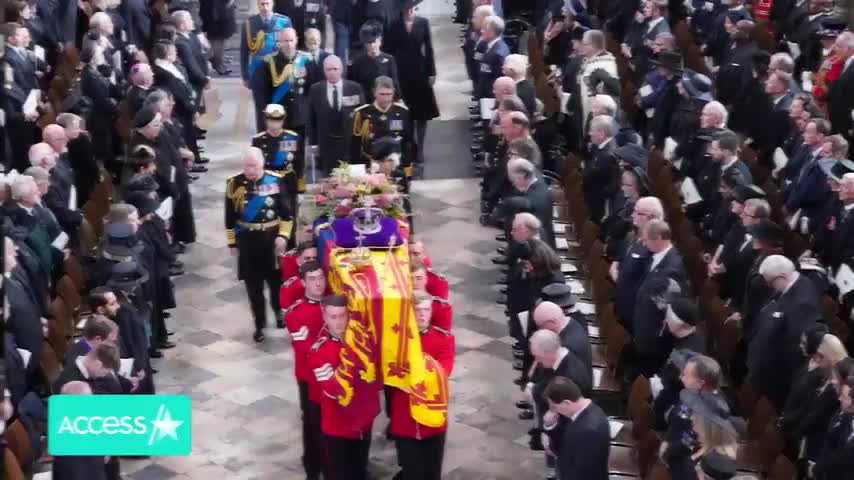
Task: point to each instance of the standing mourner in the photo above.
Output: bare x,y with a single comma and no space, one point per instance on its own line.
286,79
219,24
258,40
258,224
373,63
305,14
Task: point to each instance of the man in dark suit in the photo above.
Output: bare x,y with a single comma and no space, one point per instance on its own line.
491,62
22,60
97,368
629,270
650,346
573,335
78,467
304,14
257,40
809,191
98,329
516,67
330,106
190,53
840,97
810,148
832,242
772,355
778,87
531,195
837,457
582,440
600,175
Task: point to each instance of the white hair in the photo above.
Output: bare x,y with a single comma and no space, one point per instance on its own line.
653,206
495,23
521,166
516,63
718,109
529,221
23,186
332,59
604,123
847,180
783,61
180,16
484,11
606,103
545,341
776,266
38,152
98,19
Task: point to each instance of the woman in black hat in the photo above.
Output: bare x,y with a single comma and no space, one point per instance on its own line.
410,43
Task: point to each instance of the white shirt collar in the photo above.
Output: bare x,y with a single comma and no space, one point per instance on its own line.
338,84
657,257
492,42
728,163
847,63
575,416
653,23
562,353
602,145
82,367
849,207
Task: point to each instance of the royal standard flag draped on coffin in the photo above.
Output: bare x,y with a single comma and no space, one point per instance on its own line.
382,345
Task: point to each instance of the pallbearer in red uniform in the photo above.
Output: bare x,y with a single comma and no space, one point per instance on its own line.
305,322
420,448
437,285
292,286
346,448
443,312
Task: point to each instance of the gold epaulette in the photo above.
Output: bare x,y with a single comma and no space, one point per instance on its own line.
273,173
361,107
291,132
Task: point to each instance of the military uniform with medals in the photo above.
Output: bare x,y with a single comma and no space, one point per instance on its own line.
283,154
287,83
256,213
257,41
304,14
371,123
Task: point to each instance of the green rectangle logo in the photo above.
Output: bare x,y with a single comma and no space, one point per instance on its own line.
147,425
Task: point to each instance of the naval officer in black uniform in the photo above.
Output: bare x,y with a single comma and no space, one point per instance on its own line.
382,118
258,223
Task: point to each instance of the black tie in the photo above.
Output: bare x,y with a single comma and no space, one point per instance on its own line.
335,97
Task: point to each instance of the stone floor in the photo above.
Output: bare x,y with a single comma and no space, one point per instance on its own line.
245,407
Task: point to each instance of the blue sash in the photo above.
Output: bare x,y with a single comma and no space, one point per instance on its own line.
254,205
299,63
280,160
278,22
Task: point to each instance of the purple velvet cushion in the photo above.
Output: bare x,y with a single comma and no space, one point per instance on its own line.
346,236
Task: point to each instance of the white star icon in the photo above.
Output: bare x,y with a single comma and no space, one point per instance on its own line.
164,426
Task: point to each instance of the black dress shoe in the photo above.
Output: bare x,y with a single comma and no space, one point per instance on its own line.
177,264
505,270
223,71
152,353
501,237
169,334
180,248
175,271
502,300
198,169
526,415
203,160
518,366
518,355
499,260
536,441
280,323
166,344
503,291
502,280
506,312
154,371
193,177
258,336
524,405
519,381
168,315
501,250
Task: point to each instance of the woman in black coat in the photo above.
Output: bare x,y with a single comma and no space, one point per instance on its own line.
410,43
219,23
805,387
95,84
